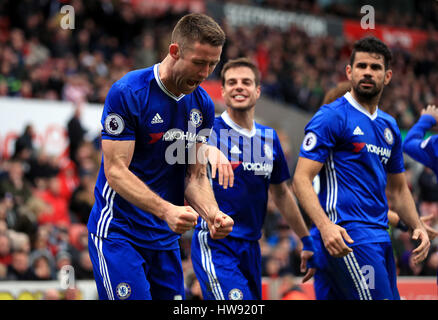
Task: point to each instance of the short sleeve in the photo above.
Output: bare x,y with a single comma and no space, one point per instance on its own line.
321,134
208,120
396,161
280,171
119,114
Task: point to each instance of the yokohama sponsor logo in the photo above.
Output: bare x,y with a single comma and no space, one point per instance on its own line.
257,166
383,152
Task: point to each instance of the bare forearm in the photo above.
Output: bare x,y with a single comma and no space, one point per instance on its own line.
404,205
309,201
290,211
133,190
200,196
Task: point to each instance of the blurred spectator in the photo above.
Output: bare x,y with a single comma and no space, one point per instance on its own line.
428,184
193,288
291,290
24,149
75,132
42,265
83,267
3,272
15,184
19,269
52,294
72,294
63,258
57,213
82,199
5,250
146,55
19,241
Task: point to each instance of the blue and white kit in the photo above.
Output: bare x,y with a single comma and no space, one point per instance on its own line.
127,244
358,150
230,268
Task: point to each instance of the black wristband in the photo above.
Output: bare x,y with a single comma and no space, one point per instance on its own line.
402,226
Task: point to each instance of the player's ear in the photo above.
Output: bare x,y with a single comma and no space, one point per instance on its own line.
174,51
388,77
348,71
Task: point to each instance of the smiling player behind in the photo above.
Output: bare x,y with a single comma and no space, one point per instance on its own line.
230,268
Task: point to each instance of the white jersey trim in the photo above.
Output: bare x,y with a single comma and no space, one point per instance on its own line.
106,214
208,265
247,133
332,188
103,268
357,276
359,107
163,87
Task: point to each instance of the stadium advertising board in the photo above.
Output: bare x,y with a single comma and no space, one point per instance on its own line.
49,119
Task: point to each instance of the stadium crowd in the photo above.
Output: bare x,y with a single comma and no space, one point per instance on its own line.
45,202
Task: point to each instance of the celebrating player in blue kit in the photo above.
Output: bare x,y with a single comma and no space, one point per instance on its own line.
423,150
357,150
230,268
152,119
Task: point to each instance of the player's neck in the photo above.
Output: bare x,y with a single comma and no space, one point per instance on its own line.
243,118
369,104
165,76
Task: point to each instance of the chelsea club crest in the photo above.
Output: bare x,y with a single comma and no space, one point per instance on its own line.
123,290
195,117
388,136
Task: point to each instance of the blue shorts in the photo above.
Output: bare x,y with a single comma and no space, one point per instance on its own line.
367,273
227,269
125,271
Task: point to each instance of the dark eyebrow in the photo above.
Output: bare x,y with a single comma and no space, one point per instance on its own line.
243,80
373,65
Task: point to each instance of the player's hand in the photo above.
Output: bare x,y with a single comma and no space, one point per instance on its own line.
334,238
420,252
305,257
219,162
181,218
220,225
431,110
431,232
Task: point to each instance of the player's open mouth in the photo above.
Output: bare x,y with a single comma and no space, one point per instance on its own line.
193,83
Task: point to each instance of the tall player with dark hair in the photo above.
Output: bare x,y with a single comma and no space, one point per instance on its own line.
139,211
357,150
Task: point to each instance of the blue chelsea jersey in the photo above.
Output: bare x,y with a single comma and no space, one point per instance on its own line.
257,160
165,129
358,150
